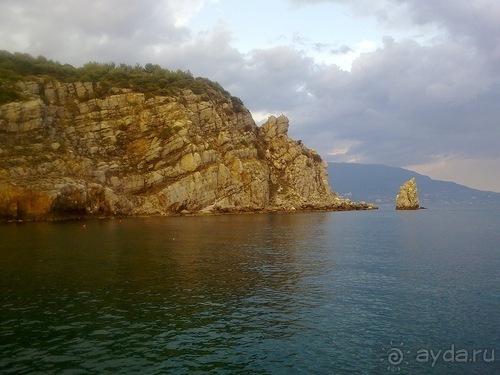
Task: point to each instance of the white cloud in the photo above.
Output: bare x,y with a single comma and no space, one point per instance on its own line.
183,11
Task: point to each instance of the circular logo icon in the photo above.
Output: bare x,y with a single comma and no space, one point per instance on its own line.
395,356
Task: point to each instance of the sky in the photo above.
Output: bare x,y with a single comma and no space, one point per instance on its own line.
405,83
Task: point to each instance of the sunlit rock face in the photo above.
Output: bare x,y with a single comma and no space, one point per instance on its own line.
66,152
407,199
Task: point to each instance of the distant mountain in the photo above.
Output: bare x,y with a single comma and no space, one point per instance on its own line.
380,184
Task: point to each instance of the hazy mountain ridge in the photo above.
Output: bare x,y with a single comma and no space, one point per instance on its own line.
380,184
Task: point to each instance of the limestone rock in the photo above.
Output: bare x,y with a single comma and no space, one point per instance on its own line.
68,153
407,199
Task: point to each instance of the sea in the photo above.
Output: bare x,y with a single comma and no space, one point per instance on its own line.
360,292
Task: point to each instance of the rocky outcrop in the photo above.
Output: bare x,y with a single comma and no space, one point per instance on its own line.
66,152
407,199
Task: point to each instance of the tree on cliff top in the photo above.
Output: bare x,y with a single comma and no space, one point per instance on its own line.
150,79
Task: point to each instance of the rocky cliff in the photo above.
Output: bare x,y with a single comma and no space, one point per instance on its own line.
407,199
66,152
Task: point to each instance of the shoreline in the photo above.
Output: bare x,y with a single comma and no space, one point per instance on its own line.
218,212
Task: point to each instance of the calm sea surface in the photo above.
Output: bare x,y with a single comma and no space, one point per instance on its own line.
369,292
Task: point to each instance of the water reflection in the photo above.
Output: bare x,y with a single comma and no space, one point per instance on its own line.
155,290
285,293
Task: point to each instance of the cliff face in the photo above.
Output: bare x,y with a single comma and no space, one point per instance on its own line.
65,153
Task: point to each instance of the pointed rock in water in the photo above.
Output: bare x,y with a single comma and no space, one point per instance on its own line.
407,199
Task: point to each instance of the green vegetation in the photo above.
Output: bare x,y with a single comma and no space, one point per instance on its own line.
150,79
9,94
166,131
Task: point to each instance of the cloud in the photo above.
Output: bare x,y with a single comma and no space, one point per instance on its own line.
476,21
269,80
342,50
411,103
208,54
94,30
405,102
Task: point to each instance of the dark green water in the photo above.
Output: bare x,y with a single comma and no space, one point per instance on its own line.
310,293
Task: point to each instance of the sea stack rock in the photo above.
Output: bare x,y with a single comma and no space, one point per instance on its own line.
407,199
